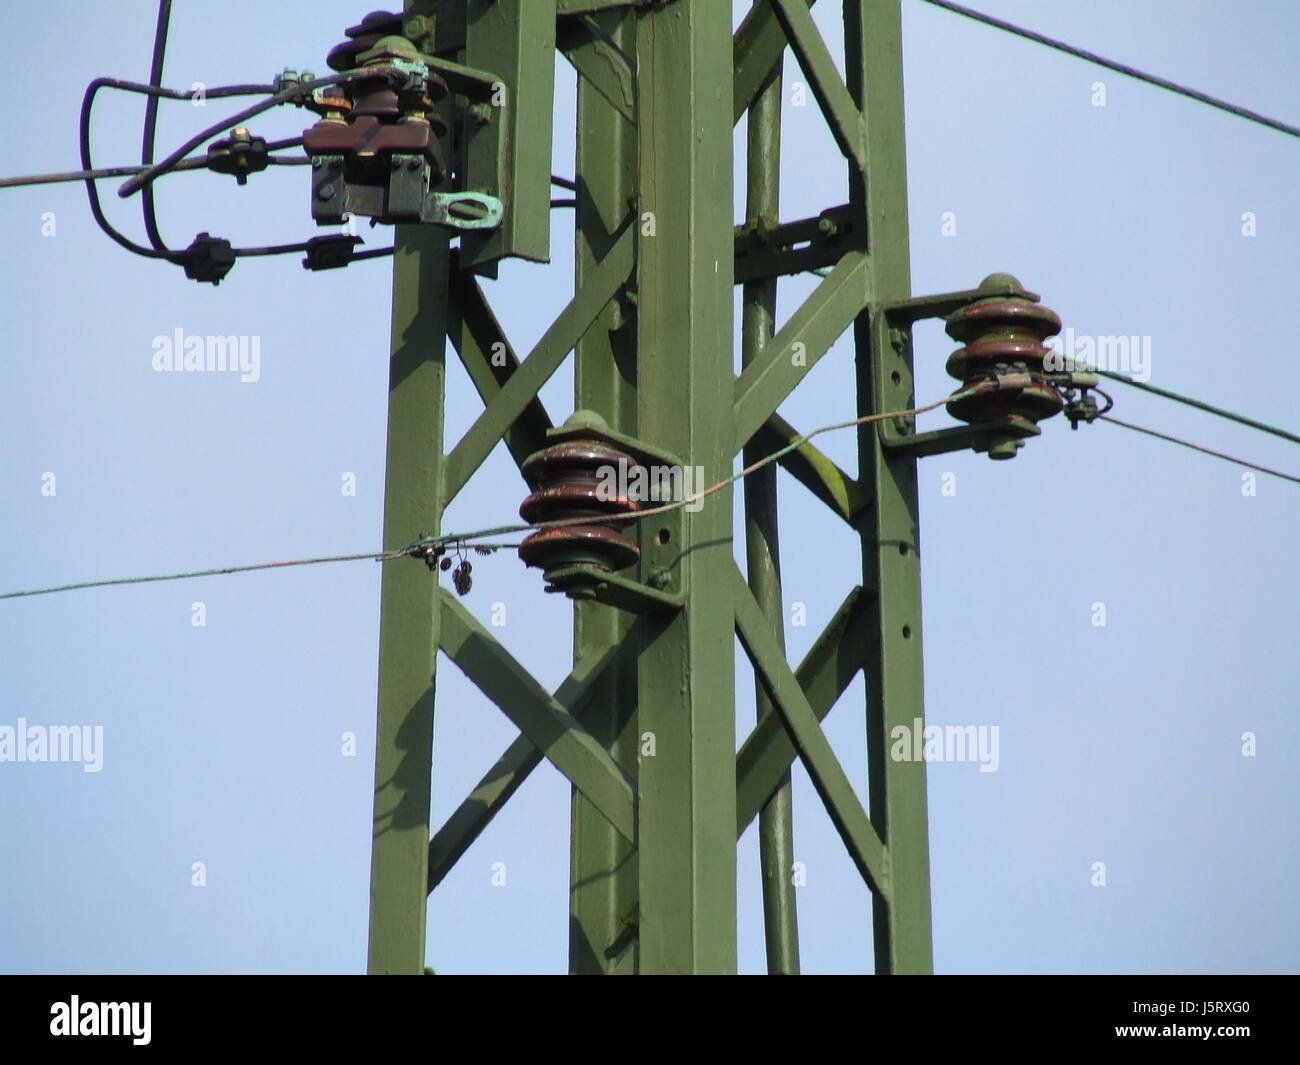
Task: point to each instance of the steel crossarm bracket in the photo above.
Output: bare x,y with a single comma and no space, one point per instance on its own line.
845,120
802,341
802,246
812,468
523,385
755,48
535,712
490,361
801,721
903,313
517,761
824,674
614,590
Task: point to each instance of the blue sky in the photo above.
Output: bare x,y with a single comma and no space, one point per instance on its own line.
1118,744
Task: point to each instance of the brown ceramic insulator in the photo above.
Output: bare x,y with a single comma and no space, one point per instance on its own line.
596,545
377,100
1003,336
574,460
570,482
571,500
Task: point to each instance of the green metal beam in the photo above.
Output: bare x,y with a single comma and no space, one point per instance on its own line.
808,334
755,49
824,674
599,66
490,361
508,153
523,385
684,337
828,776
891,569
842,114
603,865
409,603
534,711
762,535
493,791
812,468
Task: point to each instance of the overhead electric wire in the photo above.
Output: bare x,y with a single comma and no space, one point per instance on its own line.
284,96
381,556
1200,405
58,176
1198,447
1120,68
476,537
460,540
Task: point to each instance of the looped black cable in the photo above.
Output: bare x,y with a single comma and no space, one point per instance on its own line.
92,193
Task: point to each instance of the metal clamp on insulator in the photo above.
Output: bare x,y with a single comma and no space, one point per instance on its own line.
1077,388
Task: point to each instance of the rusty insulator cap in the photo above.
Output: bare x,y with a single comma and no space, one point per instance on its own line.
1002,334
364,36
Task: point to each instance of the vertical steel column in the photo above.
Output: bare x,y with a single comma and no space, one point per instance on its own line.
686,681
408,607
762,543
890,538
408,622
603,866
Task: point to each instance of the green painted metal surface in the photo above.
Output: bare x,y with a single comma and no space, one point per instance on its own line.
687,809
508,148
409,615
762,536
891,565
602,864
644,726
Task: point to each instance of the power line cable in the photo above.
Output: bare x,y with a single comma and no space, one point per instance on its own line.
1121,68
139,181
58,176
1200,405
426,544
1198,447
151,122
92,193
